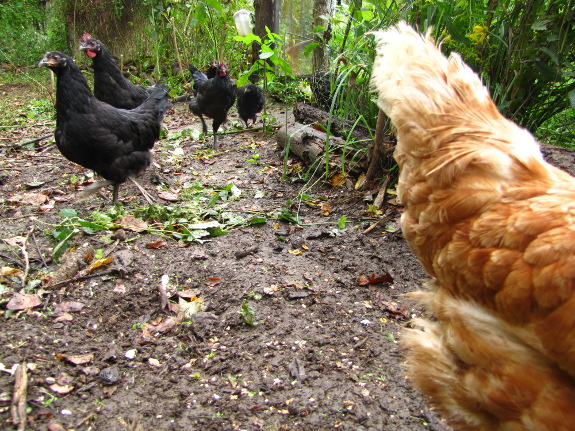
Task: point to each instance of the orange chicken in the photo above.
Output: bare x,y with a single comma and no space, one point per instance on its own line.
493,224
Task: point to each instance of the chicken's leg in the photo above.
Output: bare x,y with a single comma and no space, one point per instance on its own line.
216,126
204,126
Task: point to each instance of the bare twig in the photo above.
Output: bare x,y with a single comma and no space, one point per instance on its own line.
80,278
18,405
31,141
13,260
38,250
372,227
25,255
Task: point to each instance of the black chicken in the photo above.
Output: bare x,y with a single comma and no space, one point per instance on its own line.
250,102
199,76
214,98
114,142
110,85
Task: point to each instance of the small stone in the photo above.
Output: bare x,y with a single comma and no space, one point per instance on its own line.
109,376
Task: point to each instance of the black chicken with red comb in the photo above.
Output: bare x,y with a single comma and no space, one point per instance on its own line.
110,85
214,98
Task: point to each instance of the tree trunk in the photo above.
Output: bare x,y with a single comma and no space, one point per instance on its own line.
320,58
267,15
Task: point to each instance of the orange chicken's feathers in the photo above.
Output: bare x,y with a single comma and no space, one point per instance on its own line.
494,225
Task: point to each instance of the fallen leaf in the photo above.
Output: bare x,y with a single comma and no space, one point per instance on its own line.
212,281
398,310
295,252
11,272
97,264
362,280
23,302
68,307
29,199
79,359
91,371
157,244
61,389
64,317
164,325
326,208
360,182
15,241
154,362
133,224
119,287
167,196
383,278
338,180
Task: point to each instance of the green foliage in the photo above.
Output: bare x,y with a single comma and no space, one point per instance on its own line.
270,62
247,314
72,225
28,28
522,50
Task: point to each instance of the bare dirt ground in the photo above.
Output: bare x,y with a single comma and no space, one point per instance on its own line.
104,352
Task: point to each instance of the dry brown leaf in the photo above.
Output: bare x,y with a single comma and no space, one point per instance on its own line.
15,241
23,302
338,180
64,317
29,199
212,281
97,264
362,280
61,389
133,224
79,359
167,196
11,272
326,208
163,326
68,307
120,287
360,182
157,244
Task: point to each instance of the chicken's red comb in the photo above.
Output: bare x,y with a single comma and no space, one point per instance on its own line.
86,36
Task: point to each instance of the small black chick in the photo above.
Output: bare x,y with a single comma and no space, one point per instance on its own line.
214,98
250,102
110,85
114,142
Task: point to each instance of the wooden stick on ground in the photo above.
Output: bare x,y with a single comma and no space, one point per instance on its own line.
18,405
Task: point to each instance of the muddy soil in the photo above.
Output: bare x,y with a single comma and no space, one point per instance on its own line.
105,352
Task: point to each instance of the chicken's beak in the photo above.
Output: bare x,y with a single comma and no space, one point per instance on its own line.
46,62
